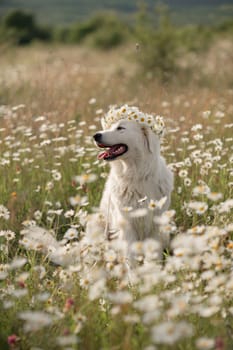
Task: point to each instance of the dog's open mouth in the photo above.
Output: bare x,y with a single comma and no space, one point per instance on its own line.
112,152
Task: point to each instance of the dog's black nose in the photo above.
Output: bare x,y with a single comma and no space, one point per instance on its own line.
97,137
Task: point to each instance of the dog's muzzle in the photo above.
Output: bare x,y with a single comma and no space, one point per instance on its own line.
97,137
111,151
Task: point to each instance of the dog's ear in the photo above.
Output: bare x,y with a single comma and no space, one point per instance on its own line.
146,136
151,141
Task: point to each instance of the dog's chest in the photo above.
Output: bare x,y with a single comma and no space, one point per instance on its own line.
130,190
129,195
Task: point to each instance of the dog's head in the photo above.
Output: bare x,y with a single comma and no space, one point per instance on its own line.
126,139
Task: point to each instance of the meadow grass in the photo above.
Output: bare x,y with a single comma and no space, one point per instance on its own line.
51,104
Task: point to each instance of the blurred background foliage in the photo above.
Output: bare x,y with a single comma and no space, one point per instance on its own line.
159,42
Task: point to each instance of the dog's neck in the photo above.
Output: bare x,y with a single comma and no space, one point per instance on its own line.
129,169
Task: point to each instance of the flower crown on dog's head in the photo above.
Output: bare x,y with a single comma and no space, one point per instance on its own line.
126,112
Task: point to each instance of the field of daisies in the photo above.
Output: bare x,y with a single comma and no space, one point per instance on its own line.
63,289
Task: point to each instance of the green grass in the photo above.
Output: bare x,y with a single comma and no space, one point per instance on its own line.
96,302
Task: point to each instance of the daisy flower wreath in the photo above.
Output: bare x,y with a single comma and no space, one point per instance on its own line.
125,112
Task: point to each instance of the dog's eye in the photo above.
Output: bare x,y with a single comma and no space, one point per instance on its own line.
120,128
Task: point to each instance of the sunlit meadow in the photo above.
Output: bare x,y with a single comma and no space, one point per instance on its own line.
71,290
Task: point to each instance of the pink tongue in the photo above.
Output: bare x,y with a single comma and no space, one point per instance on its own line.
102,155
114,150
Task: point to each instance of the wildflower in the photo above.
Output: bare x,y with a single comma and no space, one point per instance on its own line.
147,303
28,223
80,318
196,230
189,245
151,248
38,215
137,248
17,263
35,320
208,165
187,182
21,279
184,139
183,173
40,119
207,311
4,212
97,289
56,175
67,340
78,200
82,216
42,296
69,213
214,196
68,304
8,304
229,227
49,186
12,340
57,212
20,293
71,233
201,190
92,101
8,235
165,218
197,127
199,207
153,204
206,114
169,332
150,347
207,275
179,306
120,297
132,319
85,178
92,127
225,207
204,343
230,245
219,343
3,271
198,137
110,255
99,111
85,281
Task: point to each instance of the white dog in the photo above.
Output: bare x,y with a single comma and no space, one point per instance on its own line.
138,177
138,174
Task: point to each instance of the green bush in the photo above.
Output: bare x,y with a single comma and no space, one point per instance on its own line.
80,31
61,34
195,38
158,44
225,27
102,31
20,28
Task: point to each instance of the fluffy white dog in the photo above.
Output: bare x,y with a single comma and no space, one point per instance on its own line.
138,176
139,181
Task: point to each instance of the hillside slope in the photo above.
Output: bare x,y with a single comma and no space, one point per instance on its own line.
66,11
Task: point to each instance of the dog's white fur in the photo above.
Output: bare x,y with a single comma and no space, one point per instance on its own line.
139,173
